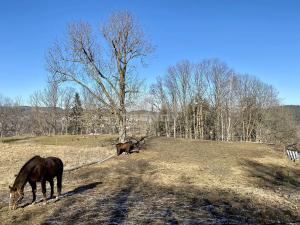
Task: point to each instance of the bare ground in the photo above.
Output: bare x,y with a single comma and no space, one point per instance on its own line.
171,182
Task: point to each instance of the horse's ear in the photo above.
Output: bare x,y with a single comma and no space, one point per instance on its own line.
12,188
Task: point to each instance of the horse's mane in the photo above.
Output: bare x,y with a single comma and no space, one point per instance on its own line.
34,157
25,165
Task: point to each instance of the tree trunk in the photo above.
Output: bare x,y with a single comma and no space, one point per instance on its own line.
66,128
197,134
222,126
122,112
186,125
194,122
243,135
122,128
167,125
229,128
180,130
174,124
201,122
217,125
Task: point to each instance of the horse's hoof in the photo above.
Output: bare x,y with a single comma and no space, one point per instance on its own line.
45,202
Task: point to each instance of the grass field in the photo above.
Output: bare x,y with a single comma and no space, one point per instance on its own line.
168,182
73,150
64,140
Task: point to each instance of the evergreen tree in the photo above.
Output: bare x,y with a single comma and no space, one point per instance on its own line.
76,115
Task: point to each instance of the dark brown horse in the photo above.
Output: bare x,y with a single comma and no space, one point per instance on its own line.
37,169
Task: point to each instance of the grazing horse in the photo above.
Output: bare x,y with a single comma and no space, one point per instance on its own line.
129,146
126,147
37,169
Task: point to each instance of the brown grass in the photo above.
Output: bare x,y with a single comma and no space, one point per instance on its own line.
172,182
73,150
64,140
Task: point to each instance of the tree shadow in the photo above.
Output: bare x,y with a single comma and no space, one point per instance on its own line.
135,201
270,175
169,217
118,215
127,198
78,190
15,139
81,189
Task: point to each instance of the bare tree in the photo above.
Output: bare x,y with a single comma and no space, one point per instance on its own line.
171,86
37,117
81,60
209,100
181,75
160,103
217,79
66,105
50,97
11,118
200,95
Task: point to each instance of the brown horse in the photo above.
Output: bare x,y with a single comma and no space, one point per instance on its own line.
126,147
37,169
129,146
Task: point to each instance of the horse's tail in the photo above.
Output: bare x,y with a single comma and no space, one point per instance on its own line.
59,176
59,184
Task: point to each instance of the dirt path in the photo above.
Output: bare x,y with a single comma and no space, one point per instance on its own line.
175,182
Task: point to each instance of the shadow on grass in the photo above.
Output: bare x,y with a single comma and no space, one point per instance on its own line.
269,175
139,202
81,189
119,213
130,199
77,190
15,139
127,198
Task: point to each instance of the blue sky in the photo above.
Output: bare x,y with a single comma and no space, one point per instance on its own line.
261,38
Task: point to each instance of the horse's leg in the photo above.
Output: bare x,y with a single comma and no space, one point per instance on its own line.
43,184
59,184
52,188
33,186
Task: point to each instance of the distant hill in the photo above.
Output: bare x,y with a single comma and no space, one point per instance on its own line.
29,108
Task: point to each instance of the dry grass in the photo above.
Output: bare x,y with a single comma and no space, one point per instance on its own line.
173,182
73,150
64,140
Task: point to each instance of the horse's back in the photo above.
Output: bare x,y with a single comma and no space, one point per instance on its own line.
54,166
56,160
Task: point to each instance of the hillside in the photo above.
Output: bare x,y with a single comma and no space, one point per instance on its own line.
169,182
296,110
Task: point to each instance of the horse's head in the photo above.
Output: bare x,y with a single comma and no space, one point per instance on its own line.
15,197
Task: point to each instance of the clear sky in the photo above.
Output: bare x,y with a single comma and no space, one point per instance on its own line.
258,37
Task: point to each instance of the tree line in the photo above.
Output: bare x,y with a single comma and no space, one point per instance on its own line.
205,100
54,111
209,100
